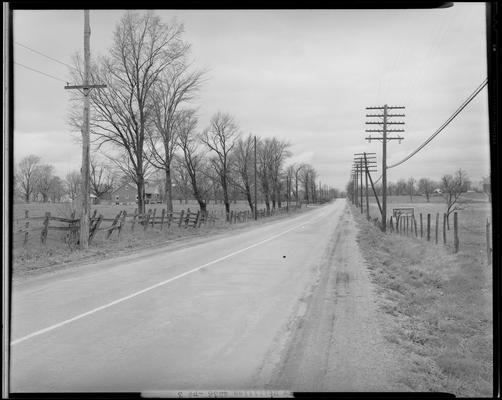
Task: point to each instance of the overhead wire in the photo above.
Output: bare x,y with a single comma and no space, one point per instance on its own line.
444,125
441,128
40,72
46,56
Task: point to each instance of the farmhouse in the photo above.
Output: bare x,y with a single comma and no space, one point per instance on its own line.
128,194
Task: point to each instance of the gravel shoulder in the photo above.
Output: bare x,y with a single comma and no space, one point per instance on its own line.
334,340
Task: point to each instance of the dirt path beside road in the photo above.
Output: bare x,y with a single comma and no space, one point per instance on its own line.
334,342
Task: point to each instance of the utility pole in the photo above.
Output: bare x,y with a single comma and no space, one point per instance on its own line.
384,138
255,187
85,89
361,190
288,190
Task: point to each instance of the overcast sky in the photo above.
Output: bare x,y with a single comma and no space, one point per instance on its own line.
302,75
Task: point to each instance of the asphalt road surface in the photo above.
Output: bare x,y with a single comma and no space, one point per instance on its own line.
287,305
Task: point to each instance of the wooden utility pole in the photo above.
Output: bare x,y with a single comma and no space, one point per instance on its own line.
85,88
365,162
367,198
255,186
361,190
384,138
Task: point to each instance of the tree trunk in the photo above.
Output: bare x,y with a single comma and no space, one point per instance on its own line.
427,196
202,205
141,192
225,194
169,190
248,196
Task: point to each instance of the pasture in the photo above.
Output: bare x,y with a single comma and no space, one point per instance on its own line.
438,303
472,217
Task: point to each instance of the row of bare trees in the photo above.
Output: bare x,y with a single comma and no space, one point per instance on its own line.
144,122
450,187
35,181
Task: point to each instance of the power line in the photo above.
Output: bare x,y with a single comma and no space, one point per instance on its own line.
445,124
46,56
40,72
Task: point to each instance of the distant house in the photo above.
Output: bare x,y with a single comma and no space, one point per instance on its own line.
128,194
124,194
437,191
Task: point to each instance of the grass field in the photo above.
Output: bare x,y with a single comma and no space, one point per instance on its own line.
472,218
439,304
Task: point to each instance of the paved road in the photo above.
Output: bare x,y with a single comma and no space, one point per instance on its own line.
248,310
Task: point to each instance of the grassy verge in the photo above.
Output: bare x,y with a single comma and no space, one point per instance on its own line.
439,306
35,258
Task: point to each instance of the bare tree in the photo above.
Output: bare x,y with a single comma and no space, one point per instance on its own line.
26,174
401,187
72,183
181,179
411,187
452,188
308,177
265,156
293,172
426,186
56,190
43,179
142,49
101,177
192,159
176,86
242,164
221,137
280,152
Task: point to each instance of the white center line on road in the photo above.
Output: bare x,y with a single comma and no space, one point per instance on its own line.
135,294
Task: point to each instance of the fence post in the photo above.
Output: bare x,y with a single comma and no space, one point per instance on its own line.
488,247
428,227
437,226
122,222
72,233
95,228
115,221
153,217
391,225
181,218
146,219
407,224
455,231
162,219
169,219
26,226
444,228
135,215
43,235
187,218
415,223
421,227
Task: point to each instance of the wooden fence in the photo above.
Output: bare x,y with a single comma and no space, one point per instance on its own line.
428,228
29,228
